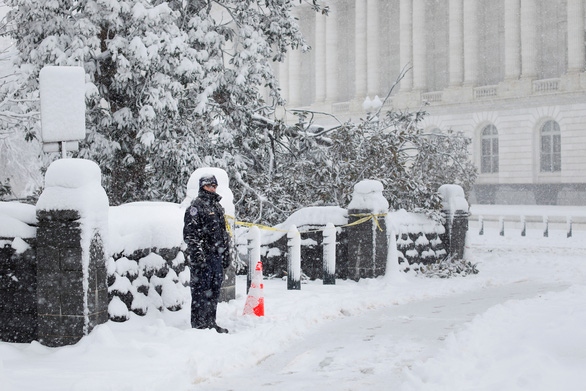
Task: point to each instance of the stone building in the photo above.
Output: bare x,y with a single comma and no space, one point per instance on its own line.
507,73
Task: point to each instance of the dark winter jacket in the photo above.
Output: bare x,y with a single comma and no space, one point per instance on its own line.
204,229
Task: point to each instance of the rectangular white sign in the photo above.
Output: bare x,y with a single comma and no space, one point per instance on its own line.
62,90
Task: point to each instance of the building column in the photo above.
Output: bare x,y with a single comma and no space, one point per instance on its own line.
295,77
456,39
360,72
529,39
284,77
372,47
575,11
470,11
332,54
406,43
419,46
320,57
512,40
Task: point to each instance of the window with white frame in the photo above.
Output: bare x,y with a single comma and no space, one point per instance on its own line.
550,158
490,150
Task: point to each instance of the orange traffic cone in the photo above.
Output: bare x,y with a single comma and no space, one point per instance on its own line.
255,303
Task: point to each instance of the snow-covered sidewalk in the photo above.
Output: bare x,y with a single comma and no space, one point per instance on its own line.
373,350
512,326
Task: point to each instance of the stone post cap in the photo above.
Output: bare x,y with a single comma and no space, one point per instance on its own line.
74,184
453,198
368,195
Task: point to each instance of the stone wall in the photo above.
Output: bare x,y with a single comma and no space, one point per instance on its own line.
419,242
18,291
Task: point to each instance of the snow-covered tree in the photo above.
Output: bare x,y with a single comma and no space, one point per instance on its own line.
305,165
20,151
170,85
173,86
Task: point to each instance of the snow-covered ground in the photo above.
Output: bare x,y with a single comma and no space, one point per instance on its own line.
517,325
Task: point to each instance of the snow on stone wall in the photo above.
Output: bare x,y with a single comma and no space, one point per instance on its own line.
147,280
147,270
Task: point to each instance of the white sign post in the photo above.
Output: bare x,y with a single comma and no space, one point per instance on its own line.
62,91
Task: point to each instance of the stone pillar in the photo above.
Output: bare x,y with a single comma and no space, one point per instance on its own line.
528,39
455,211
406,42
72,214
575,9
332,62
470,42
456,43
361,67
367,239
512,40
320,57
419,46
372,48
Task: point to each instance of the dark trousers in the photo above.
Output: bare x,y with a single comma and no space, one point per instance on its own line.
206,281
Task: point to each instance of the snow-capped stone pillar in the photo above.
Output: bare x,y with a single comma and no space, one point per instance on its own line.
456,38
575,9
512,40
72,215
455,211
406,42
367,240
529,39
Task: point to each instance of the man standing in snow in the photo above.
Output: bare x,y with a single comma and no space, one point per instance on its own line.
208,246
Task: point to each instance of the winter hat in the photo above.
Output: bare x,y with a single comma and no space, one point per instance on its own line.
207,180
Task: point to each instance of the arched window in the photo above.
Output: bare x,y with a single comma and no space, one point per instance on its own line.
551,152
490,150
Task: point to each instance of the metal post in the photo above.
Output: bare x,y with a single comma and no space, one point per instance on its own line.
329,254
293,259
253,253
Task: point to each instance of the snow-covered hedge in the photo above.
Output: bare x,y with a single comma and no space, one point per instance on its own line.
147,270
147,280
418,239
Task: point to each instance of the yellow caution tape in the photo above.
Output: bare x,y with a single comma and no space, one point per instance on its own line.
366,217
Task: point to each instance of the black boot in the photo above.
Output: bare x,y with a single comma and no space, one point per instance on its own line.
219,329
